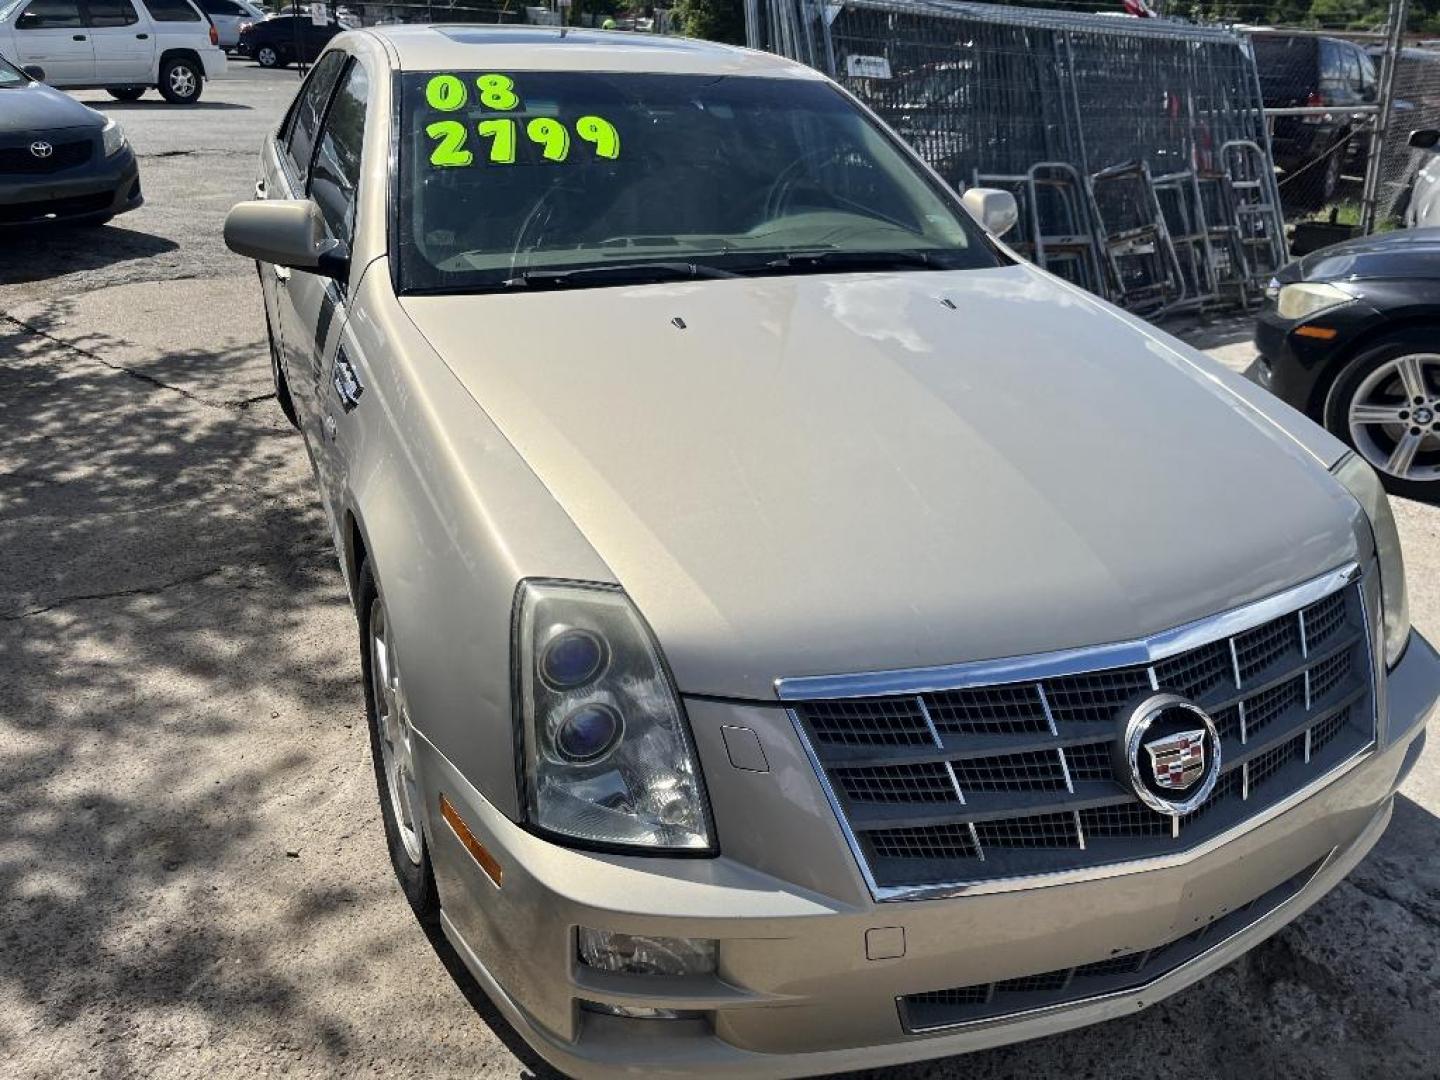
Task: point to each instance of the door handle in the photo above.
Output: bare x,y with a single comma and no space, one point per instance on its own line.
143,37
346,382
77,37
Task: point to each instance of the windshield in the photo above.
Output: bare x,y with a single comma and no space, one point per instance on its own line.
520,177
10,76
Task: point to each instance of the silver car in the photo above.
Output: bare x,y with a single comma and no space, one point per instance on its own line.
799,635
1423,209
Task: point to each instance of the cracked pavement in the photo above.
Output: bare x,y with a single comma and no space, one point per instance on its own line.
181,711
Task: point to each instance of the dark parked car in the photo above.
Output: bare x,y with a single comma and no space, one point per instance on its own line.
284,39
1307,70
1351,336
59,160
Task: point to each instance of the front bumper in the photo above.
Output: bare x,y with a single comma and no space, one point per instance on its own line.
1295,368
214,62
105,189
796,993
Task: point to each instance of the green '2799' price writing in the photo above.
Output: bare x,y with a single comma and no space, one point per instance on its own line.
447,93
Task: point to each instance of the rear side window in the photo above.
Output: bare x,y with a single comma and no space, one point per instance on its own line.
221,7
309,109
336,175
172,11
111,13
1333,70
43,14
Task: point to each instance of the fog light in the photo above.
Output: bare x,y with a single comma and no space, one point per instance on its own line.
634,955
640,1012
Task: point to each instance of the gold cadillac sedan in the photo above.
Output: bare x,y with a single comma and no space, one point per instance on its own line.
798,635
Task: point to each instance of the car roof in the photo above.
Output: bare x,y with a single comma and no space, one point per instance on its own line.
543,48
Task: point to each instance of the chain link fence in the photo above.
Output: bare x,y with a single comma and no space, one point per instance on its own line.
1164,165
1136,148
1416,107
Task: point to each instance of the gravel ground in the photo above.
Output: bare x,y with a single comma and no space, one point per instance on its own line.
192,875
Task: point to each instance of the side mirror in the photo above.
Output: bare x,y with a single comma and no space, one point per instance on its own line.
286,232
36,73
1425,139
994,209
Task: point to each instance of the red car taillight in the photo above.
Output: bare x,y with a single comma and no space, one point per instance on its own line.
214,35
1316,100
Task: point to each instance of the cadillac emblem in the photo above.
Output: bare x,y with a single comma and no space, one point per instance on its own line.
1172,750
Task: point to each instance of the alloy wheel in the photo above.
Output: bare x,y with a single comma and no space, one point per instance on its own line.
1394,417
397,738
266,56
182,81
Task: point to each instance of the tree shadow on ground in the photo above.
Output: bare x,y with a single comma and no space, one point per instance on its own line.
41,252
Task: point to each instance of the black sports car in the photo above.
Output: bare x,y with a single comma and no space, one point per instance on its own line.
1351,335
59,160
283,39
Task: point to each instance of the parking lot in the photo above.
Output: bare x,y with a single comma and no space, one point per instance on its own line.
193,878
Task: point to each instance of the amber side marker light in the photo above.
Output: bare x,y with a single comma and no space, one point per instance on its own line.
1321,333
481,853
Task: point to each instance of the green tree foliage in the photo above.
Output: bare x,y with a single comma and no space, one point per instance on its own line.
715,20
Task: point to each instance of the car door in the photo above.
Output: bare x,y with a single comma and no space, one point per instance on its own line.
338,364
304,303
51,35
124,41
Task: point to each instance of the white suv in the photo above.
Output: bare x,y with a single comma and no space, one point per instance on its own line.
123,46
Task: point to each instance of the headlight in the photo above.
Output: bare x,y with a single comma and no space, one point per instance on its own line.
1305,298
1362,482
1272,289
112,135
607,757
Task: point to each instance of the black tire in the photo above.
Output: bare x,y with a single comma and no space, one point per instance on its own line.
181,80
277,373
417,881
126,93
1336,406
268,56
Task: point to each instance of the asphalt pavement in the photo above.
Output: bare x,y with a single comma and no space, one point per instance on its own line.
193,879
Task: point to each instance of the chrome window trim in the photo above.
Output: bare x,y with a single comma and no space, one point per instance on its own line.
1042,1010
1068,661
1050,665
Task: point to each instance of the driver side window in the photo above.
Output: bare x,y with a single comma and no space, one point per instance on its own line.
49,14
335,177
308,110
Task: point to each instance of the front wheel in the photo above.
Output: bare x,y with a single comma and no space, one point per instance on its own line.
392,748
180,81
126,93
267,56
1386,404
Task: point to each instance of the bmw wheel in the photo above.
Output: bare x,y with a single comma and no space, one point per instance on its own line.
1386,404
392,747
180,81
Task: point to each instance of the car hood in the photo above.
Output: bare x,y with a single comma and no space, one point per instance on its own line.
818,475
36,107
1406,253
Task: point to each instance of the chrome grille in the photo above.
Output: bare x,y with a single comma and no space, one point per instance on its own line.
982,783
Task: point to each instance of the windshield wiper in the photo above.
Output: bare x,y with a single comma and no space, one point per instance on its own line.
820,261
616,275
